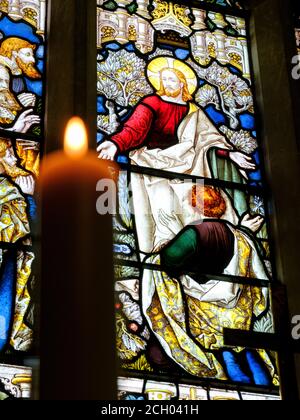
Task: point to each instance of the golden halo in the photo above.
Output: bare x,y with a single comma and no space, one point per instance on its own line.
158,64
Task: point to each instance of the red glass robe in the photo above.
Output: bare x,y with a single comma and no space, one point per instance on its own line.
154,124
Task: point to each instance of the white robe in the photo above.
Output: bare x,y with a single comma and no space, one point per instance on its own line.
151,195
172,314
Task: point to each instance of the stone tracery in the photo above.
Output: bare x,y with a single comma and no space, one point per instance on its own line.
33,11
189,23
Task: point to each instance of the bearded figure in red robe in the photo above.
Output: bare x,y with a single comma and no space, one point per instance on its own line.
168,131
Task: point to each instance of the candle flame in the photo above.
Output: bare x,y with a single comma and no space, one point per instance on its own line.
76,139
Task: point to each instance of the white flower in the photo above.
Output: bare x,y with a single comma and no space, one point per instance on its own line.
235,83
121,77
131,309
258,206
207,95
246,101
242,140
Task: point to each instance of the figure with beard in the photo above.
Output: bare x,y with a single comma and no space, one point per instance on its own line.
24,179
8,166
169,131
16,200
17,59
157,118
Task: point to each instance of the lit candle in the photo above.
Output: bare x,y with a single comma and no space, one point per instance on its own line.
77,299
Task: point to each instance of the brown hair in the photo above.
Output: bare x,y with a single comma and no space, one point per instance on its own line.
186,96
14,44
210,199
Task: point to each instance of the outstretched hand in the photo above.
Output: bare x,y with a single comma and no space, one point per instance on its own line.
107,150
243,161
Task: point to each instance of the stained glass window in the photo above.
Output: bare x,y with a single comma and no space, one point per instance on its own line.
22,58
223,3
192,252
